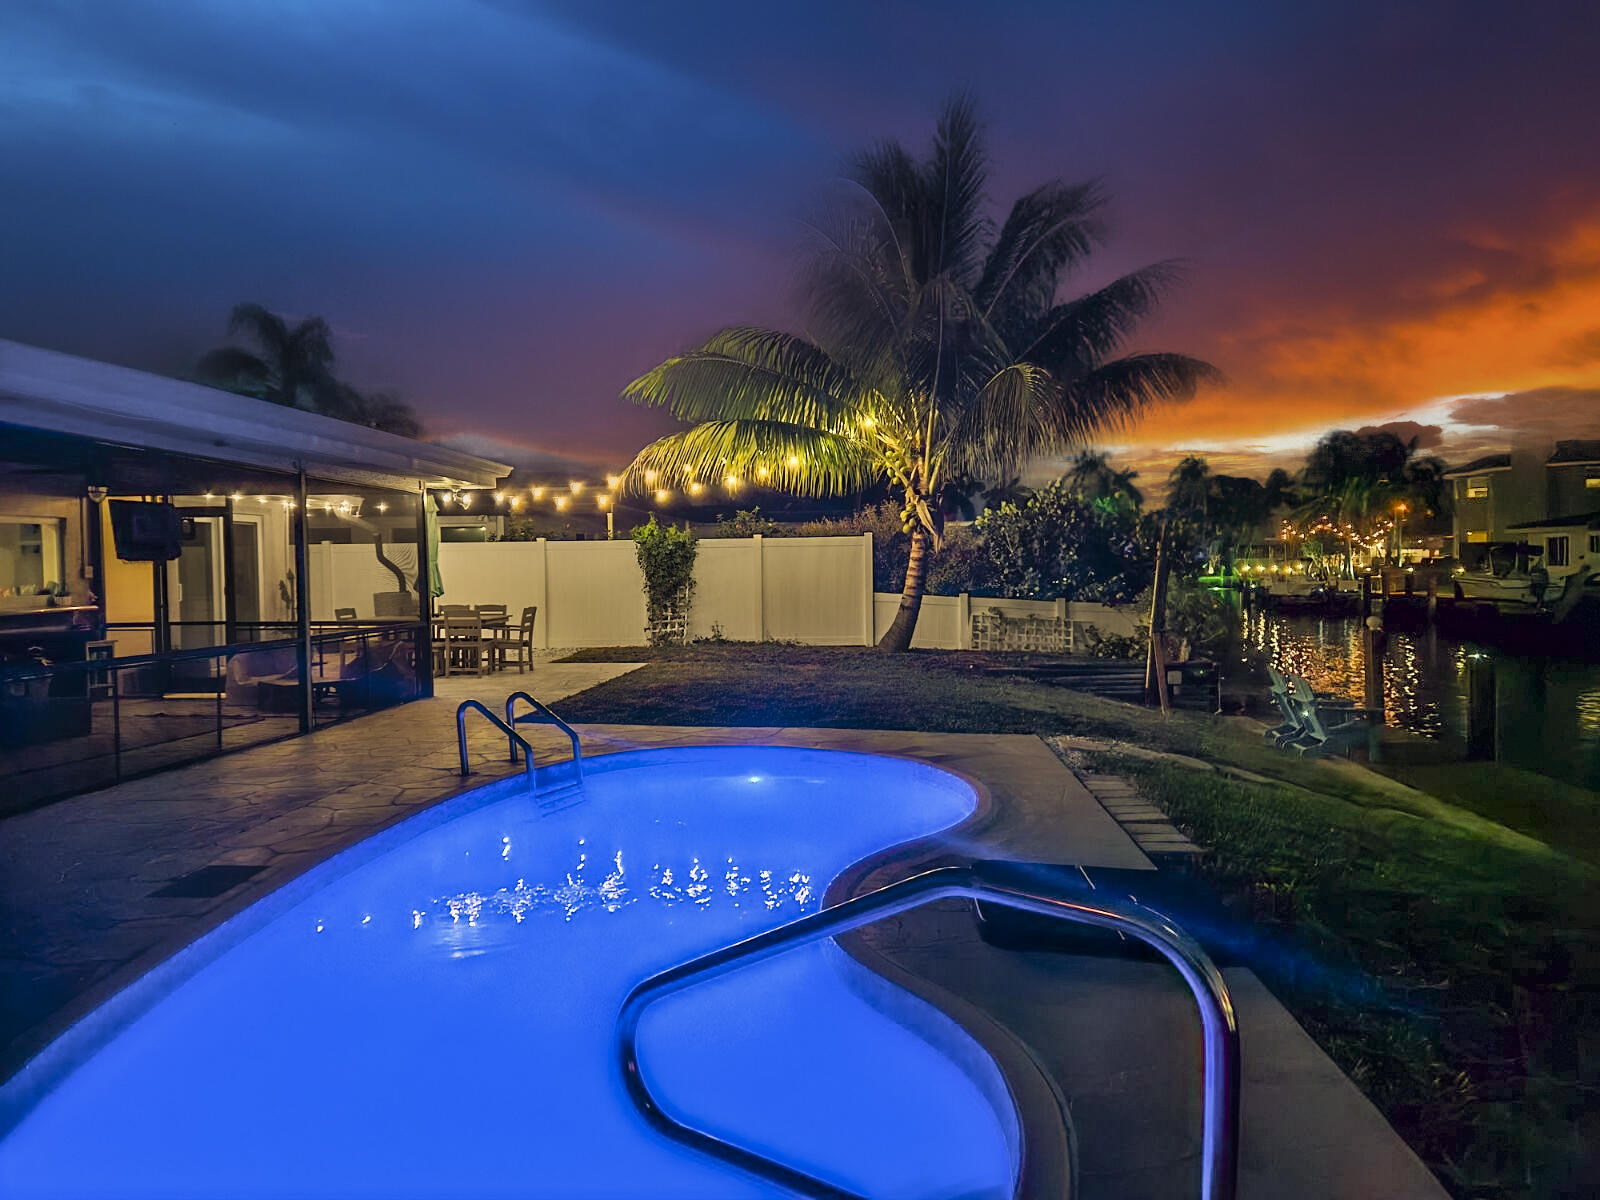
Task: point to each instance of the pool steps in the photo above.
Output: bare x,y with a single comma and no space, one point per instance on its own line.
1219,1025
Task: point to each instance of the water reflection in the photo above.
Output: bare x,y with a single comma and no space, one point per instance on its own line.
574,894
1549,709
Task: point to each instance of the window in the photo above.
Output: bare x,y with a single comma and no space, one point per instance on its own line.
1594,543
30,556
1477,487
1478,536
1592,480
1556,551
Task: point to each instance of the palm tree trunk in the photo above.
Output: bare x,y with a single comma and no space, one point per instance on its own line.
899,634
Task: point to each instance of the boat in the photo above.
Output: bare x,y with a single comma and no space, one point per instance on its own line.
1511,573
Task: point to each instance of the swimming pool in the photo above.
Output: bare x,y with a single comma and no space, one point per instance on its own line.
432,1012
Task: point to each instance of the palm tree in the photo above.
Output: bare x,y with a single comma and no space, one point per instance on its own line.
293,366
939,350
1189,487
1092,477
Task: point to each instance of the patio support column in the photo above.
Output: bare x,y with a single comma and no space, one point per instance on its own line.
302,597
424,666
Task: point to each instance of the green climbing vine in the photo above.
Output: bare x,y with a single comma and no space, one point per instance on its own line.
666,557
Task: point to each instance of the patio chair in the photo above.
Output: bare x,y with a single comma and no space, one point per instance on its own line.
1326,727
1291,726
517,644
466,650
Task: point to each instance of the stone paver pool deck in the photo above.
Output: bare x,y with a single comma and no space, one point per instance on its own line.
78,920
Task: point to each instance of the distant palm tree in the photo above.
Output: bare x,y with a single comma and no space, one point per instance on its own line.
1092,477
1189,487
292,365
940,350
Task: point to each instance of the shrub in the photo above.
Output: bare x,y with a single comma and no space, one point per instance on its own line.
1058,545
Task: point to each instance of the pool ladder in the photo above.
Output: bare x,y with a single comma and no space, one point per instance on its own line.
538,713
1219,1154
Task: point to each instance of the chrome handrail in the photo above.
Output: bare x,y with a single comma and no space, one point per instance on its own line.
541,713
461,736
1219,1154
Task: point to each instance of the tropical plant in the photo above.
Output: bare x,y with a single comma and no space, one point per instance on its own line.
292,365
940,350
666,559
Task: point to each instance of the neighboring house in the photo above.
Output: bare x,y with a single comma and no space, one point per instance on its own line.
1501,497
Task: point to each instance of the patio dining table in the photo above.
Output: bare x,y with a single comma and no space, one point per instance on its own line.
497,628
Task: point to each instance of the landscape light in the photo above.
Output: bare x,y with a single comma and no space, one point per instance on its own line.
731,483
694,489
538,493
762,472
794,460
649,476
662,495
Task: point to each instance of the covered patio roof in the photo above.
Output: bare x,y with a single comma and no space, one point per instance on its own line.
64,394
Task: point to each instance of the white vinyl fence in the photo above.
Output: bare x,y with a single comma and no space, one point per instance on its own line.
816,590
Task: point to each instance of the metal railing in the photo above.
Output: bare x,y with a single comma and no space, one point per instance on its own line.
1220,1138
541,715
467,706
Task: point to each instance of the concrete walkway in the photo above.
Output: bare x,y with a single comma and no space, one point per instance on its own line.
79,918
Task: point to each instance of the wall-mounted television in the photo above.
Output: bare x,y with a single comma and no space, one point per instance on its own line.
145,530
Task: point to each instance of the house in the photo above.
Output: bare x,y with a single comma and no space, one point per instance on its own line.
185,571
1501,497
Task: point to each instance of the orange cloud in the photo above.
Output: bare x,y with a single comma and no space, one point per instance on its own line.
1500,312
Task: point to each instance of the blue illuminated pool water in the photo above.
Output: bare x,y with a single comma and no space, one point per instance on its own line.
431,1014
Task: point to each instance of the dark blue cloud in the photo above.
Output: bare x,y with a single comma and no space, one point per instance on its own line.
509,209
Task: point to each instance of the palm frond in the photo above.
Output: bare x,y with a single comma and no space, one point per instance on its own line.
1117,393
230,366
1048,231
270,330
1072,338
798,459
1011,418
754,374
956,176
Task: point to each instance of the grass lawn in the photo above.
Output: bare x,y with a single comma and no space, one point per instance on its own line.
1448,962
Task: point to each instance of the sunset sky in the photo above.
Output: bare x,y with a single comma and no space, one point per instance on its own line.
1390,211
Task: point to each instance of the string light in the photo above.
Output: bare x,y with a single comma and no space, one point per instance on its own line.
794,460
577,486
538,493
762,472
612,481
650,476
603,500
561,503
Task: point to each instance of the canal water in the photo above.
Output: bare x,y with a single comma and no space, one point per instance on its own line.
1548,709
